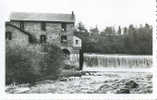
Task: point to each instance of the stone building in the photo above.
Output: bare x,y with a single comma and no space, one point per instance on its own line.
38,28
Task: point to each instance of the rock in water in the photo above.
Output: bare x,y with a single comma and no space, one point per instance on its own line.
123,91
131,84
63,79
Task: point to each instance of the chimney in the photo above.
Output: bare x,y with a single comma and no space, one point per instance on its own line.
73,15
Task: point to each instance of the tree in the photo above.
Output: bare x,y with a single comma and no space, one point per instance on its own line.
139,40
108,31
125,31
81,30
81,27
94,31
134,40
119,31
130,40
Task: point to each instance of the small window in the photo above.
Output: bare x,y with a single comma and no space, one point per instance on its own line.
43,39
77,41
64,26
22,25
43,26
63,38
8,35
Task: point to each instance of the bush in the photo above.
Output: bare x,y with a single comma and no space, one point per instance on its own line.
18,66
25,65
52,62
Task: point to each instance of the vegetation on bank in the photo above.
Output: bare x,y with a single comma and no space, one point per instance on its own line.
127,40
25,65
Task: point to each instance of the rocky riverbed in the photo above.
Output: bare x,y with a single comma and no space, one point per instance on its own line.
101,82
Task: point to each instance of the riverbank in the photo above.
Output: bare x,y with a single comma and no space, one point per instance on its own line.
103,82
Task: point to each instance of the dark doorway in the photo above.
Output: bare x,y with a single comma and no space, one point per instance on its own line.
66,53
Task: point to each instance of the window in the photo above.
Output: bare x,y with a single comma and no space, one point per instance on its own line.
77,41
8,35
64,26
63,38
43,26
42,38
22,25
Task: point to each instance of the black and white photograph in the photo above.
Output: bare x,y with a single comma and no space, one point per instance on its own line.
78,46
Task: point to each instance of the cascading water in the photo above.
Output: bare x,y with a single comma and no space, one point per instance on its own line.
117,61
97,80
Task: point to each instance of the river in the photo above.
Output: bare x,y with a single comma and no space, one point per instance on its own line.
103,74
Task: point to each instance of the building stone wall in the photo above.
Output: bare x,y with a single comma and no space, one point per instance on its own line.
18,37
53,32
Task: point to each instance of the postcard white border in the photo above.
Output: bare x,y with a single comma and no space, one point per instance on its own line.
153,96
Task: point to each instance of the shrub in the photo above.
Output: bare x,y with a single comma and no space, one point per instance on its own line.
18,66
53,61
28,65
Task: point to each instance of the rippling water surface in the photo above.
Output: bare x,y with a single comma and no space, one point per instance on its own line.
102,74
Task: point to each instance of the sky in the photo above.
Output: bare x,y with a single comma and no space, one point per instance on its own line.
91,13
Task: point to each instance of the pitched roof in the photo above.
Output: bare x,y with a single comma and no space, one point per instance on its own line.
51,17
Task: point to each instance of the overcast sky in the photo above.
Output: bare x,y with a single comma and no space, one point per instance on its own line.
91,12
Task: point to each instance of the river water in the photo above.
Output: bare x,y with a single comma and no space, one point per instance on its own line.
103,74
117,61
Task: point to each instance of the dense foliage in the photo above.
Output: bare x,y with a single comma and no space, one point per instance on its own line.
25,65
53,61
18,66
130,40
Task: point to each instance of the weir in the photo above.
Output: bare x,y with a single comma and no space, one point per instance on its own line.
117,61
